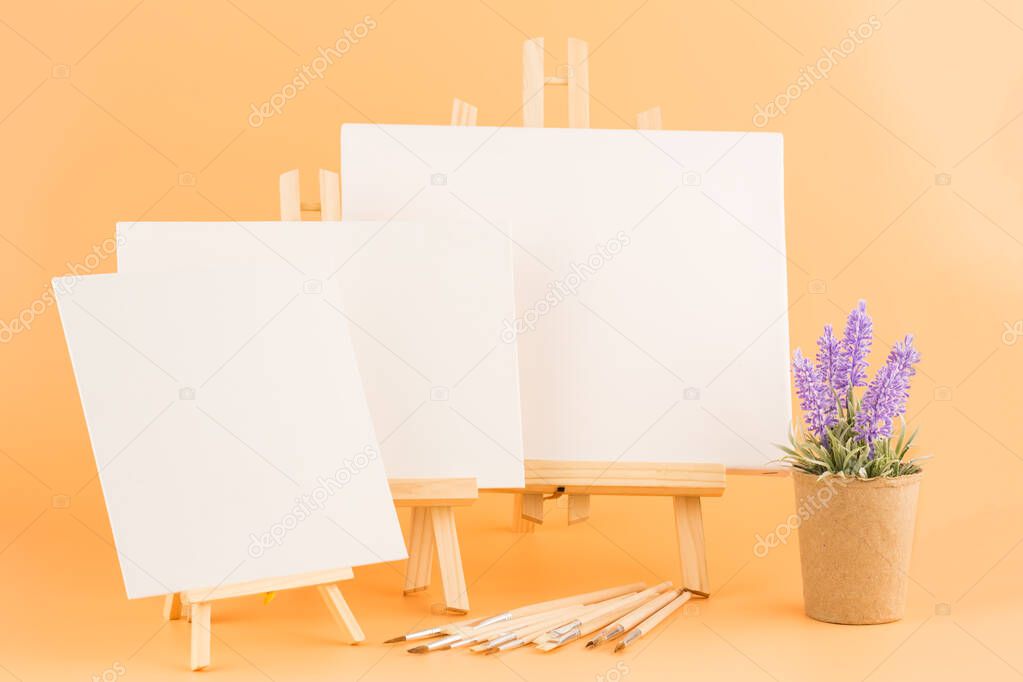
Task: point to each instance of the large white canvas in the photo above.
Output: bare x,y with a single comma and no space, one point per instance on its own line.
426,303
229,426
675,348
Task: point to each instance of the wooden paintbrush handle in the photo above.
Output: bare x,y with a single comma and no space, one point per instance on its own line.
656,619
601,617
584,598
633,618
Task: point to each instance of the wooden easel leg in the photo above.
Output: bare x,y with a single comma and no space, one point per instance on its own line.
420,551
532,507
578,508
449,555
172,606
691,545
200,635
342,613
519,524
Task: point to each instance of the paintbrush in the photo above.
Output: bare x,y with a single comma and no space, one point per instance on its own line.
654,620
461,626
632,618
596,619
480,633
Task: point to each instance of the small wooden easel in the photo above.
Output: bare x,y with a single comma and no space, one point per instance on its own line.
432,501
196,606
686,484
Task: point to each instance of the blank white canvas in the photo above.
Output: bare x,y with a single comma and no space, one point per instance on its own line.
675,348
230,429
426,304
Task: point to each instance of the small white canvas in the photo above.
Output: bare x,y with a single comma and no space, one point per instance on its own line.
230,429
650,272
426,303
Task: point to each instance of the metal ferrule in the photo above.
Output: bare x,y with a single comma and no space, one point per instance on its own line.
466,642
631,637
611,633
567,627
567,637
501,639
444,642
423,634
493,619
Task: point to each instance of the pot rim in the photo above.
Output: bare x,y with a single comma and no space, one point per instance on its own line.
878,482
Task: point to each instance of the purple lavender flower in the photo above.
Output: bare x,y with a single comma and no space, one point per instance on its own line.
814,396
886,396
828,359
851,366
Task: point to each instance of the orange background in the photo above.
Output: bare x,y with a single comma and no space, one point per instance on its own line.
129,110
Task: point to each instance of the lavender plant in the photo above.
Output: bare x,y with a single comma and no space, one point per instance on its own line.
845,435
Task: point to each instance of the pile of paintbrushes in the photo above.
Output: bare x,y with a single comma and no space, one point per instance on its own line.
628,610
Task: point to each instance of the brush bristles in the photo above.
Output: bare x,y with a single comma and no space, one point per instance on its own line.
395,640
419,649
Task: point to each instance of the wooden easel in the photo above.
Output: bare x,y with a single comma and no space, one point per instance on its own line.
196,606
686,484
433,529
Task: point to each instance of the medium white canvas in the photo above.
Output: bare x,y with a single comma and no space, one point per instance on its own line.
229,426
650,275
426,304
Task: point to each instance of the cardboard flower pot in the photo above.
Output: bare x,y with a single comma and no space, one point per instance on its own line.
855,541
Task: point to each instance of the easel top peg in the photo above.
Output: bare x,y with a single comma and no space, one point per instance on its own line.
649,119
463,113
328,207
576,78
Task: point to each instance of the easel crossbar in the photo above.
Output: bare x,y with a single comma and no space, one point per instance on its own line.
268,585
624,478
